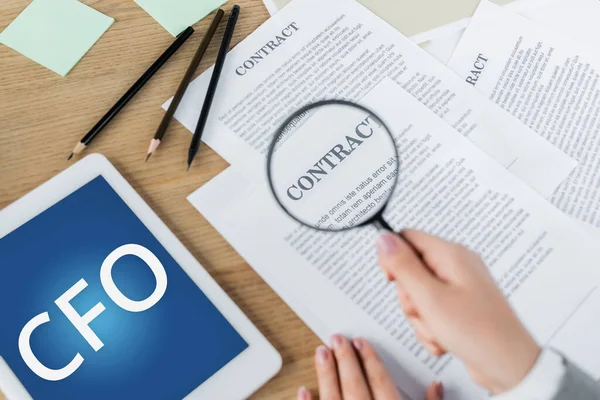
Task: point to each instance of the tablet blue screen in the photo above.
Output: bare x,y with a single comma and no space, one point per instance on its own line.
164,352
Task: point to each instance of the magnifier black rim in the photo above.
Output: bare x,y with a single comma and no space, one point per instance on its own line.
308,107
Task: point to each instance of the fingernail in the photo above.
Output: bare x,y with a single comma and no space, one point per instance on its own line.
303,393
358,344
336,341
387,243
322,354
440,390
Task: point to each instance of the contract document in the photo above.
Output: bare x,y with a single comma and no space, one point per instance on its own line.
314,50
550,84
541,259
575,19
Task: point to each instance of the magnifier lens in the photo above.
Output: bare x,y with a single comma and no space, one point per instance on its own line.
333,166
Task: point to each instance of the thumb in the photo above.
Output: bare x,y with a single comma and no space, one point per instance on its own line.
435,391
401,264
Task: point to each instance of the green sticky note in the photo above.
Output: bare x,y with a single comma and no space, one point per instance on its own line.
176,15
55,33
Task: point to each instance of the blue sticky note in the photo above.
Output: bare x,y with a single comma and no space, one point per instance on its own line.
55,33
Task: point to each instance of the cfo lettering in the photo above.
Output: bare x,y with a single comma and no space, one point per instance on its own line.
81,322
478,68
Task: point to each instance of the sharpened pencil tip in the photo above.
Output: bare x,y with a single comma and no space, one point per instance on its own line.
70,156
188,168
148,156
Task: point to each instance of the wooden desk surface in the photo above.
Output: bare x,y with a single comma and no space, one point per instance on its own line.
43,115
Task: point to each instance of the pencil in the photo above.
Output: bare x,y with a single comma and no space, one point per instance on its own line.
214,82
105,120
164,124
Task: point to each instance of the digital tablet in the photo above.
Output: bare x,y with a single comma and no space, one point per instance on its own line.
99,300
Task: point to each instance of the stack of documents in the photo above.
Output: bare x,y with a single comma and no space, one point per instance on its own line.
507,140
549,83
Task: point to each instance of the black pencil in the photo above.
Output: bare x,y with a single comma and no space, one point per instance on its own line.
87,139
214,82
164,124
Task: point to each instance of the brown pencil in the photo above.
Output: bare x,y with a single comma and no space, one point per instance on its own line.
137,86
164,124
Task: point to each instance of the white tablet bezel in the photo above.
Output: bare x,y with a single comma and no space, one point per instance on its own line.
242,376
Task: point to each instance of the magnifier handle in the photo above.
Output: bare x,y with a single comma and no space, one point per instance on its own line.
382,225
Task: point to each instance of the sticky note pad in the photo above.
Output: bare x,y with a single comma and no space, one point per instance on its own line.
55,33
176,15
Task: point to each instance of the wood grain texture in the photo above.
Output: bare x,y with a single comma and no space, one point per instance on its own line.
43,115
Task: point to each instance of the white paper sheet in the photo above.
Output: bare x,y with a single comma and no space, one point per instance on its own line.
550,84
441,42
420,20
449,187
343,51
575,19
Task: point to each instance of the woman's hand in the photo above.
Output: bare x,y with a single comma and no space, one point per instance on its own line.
454,305
352,370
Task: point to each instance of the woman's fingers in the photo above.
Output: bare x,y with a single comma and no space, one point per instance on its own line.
352,379
431,347
401,262
425,243
379,380
327,376
436,252
304,394
409,308
435,391
354,371
423,331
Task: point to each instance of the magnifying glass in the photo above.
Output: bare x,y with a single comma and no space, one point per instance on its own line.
333,166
